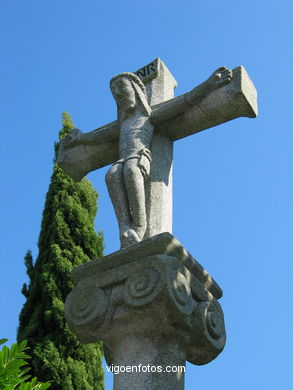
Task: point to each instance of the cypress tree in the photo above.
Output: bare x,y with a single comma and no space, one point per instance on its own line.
67,239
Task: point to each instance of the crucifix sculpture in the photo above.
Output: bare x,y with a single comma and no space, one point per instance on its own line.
140,142
151,303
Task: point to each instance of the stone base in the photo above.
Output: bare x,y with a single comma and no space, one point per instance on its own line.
150,303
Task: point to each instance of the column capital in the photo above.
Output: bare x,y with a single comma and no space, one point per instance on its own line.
153,290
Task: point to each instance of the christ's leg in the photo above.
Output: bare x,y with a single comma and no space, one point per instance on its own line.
134,183
117,191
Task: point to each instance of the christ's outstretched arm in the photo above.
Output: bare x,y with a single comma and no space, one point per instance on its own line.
161,112
176,106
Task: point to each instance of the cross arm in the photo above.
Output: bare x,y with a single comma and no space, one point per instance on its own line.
188,114
169,109
82,153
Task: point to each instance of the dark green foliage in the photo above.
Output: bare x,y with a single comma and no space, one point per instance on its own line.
14,369
67,239
28,261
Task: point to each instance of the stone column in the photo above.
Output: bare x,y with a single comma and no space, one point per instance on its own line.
154,307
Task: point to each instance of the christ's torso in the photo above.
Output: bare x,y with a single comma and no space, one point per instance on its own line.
136,133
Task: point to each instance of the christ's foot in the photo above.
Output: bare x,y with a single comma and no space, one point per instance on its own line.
129,237
140,231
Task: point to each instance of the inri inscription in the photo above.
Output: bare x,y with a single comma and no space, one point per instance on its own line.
149,71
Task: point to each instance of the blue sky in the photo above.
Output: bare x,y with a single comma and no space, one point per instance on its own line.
232,184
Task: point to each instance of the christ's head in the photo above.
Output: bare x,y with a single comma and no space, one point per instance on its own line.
129,91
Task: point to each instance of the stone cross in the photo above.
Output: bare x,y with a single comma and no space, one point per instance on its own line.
226,95
151,303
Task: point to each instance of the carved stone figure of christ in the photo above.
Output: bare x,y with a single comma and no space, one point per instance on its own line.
140,143
126,178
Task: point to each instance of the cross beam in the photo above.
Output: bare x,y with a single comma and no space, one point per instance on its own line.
100,146
81,153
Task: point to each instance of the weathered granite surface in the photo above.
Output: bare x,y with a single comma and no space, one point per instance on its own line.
140,142
161,244
151,303
99,147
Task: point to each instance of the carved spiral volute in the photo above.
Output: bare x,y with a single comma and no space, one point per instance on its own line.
209,335
147,283
210,320
179,294
142,287
86,305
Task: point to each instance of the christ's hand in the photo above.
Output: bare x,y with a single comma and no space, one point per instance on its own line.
72,139
220,77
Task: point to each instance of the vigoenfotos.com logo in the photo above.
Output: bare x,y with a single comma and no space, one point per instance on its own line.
140,368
